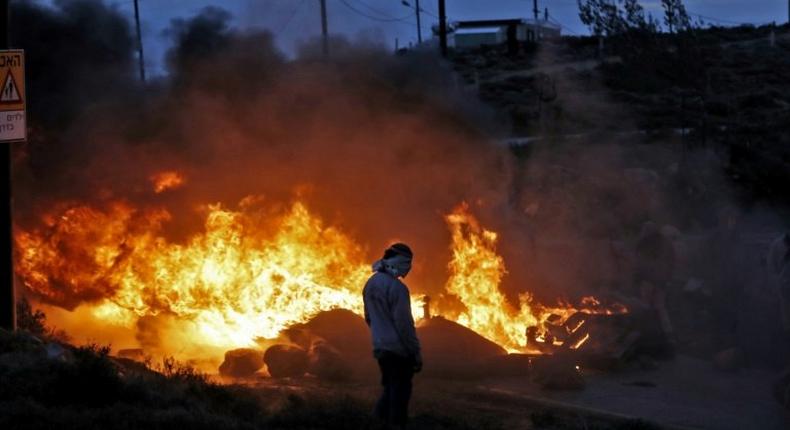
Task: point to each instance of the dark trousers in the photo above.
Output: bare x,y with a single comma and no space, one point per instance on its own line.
396,374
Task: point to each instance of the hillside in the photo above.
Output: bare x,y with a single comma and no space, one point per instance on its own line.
726,89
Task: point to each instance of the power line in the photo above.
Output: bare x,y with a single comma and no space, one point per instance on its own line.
563,26
429,12
374,18
376,10
291,17
723,21
406,20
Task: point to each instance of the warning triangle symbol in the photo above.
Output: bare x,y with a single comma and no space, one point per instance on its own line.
9,92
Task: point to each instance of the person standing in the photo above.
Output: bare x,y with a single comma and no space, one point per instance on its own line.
395,343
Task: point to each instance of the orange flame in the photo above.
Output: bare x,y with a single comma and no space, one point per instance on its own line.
476,274
167,180
245,277
242,278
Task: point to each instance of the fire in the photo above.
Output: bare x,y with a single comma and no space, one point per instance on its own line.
248,274
244,277
167,180
580,342
476,274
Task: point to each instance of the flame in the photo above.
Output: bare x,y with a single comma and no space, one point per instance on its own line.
476,275
580,342
167,180
242,278
247,275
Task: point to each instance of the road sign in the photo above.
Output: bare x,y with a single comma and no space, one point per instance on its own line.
13,116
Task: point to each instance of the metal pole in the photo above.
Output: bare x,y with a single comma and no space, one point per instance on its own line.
442,29
535,9
7,299
324,29
419,27
139,40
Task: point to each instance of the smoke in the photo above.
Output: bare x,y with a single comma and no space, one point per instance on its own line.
77,53
381,146
580,198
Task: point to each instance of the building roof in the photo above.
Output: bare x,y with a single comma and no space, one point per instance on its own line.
489,22
505,22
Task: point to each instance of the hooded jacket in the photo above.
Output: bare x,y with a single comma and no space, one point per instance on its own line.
388,313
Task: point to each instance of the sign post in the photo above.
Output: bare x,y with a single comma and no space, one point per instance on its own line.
13,123
13,128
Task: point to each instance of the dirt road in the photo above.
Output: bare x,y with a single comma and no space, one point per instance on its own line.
685,393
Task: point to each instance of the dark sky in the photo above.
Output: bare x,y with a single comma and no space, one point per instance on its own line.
292,20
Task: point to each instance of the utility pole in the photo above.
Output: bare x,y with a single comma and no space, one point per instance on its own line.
324,29
7,299
443,29
139,40
535,10
419,27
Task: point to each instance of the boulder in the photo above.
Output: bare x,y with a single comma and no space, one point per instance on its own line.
240,363
339,345
326,362
452,350
286,361
346,331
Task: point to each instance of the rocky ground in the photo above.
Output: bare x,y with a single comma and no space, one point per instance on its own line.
46,383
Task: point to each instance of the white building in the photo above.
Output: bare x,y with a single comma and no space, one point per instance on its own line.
475,37
474,34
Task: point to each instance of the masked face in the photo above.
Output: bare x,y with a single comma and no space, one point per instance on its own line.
404,268
398,266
